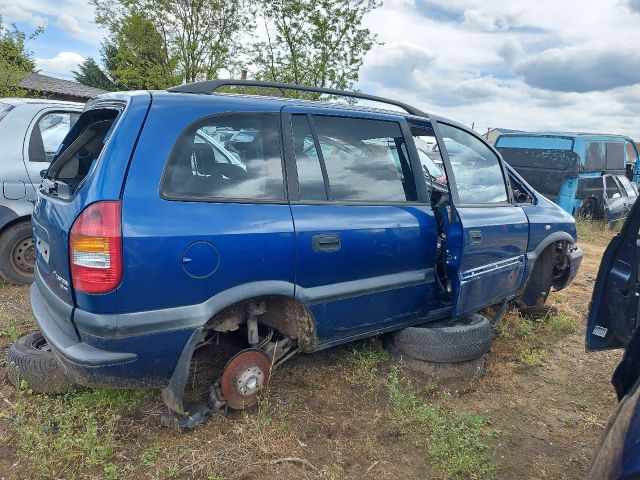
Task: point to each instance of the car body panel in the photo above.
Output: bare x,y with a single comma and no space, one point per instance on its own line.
187,260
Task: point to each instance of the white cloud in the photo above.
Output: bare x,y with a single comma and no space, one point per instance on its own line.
14,13
60,65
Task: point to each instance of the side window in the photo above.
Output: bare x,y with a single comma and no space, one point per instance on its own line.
595,157
310,177
365,160
227,157
612,188
629,187
429,155
615,155
476,169
632,156
48,133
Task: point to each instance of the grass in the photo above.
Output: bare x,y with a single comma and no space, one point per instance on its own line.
10,329
596,231
67,435
456,440
363,360
527,340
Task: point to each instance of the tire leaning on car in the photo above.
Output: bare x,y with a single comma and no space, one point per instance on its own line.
17,253
450,351
29,359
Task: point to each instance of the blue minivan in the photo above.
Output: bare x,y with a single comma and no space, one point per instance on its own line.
590,175
172,219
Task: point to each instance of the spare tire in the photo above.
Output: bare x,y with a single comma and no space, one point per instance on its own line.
467,339
470,369
30,359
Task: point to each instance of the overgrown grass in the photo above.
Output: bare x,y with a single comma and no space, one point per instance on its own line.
456,440
66,436
10,329
560,324
596,231
363,360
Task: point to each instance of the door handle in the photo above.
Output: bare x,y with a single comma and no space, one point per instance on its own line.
325,243
475,237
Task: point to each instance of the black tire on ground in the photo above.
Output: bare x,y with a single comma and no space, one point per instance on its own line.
539,286
467,339
30,359
17,253
470,369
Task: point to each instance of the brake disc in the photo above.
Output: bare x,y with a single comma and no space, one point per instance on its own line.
245,377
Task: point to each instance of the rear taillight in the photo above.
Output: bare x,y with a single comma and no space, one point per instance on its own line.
95,248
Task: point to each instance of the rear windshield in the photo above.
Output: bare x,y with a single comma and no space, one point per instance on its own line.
80,151
4,109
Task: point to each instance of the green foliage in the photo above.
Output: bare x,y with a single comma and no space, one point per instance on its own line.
456,440
170,41
314,42
10,329
60,436
560,324
136,56
16,61
89,73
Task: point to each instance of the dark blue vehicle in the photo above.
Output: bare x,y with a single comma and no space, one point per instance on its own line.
318,228
614,321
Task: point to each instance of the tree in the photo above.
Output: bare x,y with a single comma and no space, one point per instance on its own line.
314,42
203,36
89,73
16,61
137,57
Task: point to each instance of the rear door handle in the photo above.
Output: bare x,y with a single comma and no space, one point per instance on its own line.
325,243
475,237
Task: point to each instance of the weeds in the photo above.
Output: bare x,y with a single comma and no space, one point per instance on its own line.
560,324
456,440
10,329
364,358
65,435
532,358
596,231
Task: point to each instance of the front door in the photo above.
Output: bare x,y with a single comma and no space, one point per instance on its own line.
365,246
487,237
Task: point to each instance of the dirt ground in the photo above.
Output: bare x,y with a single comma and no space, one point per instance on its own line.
349,412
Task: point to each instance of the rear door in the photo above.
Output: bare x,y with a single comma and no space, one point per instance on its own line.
365,242
487,238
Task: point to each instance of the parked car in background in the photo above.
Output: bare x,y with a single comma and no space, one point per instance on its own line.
31,130
321,228
614,322
594,176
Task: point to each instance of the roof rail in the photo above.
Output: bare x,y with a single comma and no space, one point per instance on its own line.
210,86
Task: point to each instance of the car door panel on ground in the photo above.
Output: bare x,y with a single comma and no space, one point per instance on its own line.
487,238
356,190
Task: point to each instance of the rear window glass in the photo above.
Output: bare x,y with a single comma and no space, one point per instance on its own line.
227,157
81,149
365,160
4,109
546,143
595,156
615,155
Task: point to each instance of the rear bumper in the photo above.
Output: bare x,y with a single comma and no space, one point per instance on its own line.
118,362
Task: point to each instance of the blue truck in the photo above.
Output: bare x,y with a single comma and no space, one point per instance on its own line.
588,175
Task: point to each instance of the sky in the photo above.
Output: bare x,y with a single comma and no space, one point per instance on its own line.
551,65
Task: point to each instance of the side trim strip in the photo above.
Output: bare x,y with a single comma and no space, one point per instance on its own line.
492,267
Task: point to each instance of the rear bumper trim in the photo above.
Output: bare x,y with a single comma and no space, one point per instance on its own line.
66,346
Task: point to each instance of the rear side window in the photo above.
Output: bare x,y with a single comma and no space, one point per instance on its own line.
365,160
227,157
48,133
81,149
612,188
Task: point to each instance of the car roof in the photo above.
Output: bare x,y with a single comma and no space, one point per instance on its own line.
275,102
18,101
573,135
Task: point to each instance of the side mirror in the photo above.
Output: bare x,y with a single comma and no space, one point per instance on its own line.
43,172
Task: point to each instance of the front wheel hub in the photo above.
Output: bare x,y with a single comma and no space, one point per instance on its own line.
245,377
